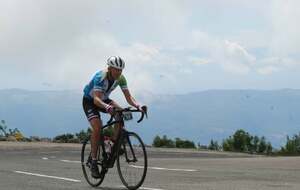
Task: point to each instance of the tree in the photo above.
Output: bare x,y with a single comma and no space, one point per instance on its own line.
168,143
227,144
184,143
11,132
262,147
65,138
157,141
163,142
269,148
213,145
3,128
292,146
255,143
82,135
241,140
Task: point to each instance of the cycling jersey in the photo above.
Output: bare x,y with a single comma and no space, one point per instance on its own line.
100,83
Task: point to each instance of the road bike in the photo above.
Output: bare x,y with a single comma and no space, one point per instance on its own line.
128,151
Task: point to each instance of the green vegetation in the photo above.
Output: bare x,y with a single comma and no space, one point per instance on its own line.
292,146
79,137
240,141
71,138
164,142
3,129
10,134
82,135
214,145
66,138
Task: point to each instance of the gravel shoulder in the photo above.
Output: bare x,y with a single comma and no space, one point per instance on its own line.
13,146
5,145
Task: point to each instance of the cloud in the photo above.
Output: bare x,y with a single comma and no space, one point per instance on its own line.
269,65
267,70
64,44
285,28
236,59
199,61
231,56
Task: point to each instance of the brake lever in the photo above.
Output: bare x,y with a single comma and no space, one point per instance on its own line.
145,109
144,112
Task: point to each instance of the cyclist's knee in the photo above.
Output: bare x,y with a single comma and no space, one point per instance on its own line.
96,124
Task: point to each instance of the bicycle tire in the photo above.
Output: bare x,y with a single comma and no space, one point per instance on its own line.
85,164
123,164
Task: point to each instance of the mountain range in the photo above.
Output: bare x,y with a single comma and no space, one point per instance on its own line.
198,116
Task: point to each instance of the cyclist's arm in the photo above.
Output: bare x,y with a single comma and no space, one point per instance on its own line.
98,99
98,90
130,100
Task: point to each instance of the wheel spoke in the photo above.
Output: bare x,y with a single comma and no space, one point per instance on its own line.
134,155
86,165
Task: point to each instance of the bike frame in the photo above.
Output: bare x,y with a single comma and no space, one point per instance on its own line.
124,146
121,134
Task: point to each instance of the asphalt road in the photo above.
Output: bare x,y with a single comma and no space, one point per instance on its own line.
44,166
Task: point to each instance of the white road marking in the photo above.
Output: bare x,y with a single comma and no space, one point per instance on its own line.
69,179
146,188
71,161
153,168
48,176
168,169
75,180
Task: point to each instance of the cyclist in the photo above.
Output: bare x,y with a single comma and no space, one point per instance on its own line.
96,98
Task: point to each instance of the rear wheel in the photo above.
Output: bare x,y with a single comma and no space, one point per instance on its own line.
132,161
86,161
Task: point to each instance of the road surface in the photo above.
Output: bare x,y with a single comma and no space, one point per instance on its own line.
35,166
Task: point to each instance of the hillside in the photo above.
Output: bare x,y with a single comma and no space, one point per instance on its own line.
197,116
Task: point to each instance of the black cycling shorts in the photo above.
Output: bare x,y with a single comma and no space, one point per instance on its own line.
91,110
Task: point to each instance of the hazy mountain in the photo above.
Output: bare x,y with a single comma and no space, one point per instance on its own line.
196,116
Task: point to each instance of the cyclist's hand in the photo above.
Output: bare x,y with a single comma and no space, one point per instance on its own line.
139,107
143,109
110,109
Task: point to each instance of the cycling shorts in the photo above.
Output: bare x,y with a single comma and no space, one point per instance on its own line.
91,110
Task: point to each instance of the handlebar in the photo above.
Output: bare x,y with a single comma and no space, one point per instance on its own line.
129,109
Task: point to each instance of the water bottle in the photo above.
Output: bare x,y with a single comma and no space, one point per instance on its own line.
108,145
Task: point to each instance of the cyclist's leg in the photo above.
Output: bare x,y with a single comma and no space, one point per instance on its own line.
95,136
118,126
93,117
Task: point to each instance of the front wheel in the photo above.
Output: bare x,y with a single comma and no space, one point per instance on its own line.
86,159
132,161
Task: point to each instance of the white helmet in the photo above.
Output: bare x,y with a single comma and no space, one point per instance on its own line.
116,62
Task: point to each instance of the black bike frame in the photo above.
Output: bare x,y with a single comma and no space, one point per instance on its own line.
131,149
122,134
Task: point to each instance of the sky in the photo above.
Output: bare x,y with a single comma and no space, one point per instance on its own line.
169,47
